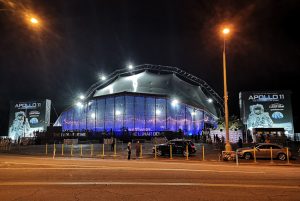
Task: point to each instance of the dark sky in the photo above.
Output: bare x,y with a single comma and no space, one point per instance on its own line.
78,39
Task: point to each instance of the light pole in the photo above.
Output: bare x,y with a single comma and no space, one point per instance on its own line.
225,32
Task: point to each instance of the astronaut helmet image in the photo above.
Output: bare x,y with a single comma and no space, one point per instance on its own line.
20,126
257,109
258,118
20,116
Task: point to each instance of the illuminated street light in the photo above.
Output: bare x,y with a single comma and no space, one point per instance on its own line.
225,32
193,113
27,15
118,112
93,115
34,20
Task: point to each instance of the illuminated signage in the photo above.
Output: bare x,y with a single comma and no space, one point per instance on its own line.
268,109
26,117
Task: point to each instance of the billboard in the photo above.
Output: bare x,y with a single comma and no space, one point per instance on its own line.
25,117
267,109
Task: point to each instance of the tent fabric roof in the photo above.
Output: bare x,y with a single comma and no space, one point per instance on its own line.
160,84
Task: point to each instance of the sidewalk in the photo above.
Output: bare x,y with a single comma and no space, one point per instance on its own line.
211,154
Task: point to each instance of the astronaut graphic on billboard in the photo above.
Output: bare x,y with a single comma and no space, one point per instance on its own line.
258,118
20,126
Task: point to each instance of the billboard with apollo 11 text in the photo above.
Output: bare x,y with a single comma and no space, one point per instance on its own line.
26,117
267,109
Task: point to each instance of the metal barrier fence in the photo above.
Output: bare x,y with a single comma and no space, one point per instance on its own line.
205,152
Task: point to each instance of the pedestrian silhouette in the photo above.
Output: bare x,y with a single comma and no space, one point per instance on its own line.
137,149
129,150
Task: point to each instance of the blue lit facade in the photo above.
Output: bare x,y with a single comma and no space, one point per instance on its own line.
139,113
142,102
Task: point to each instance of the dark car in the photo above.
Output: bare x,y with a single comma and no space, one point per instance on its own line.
178,147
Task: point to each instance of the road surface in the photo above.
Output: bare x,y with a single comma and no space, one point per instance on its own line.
38,178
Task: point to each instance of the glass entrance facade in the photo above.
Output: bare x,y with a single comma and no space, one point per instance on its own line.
133,112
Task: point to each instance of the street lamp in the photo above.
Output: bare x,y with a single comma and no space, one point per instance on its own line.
225,32
28,17
34,20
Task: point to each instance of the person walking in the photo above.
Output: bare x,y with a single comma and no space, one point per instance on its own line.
112,146
129,150
240,142
137,149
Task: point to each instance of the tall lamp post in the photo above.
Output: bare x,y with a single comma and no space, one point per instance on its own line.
225,33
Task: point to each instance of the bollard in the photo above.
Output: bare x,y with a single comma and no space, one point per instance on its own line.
171,152
155,152
54,150
62,149
236,158
287,154
271,154
92,150
203,153
254,154
115,149
81,150
187,151
103,150
71,149
46,149
141,151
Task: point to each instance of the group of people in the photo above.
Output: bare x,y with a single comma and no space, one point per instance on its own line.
137,149
5,142
206,138
129,148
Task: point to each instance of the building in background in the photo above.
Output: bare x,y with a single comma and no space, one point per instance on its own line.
26,117
146,99
267,109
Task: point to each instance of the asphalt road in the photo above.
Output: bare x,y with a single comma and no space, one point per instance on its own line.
37,178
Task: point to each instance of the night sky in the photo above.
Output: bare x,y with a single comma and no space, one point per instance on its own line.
79,39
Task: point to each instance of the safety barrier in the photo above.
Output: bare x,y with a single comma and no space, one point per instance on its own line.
287,155
204,152
271,152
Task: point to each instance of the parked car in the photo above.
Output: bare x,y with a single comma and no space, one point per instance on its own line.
263,150
178,147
